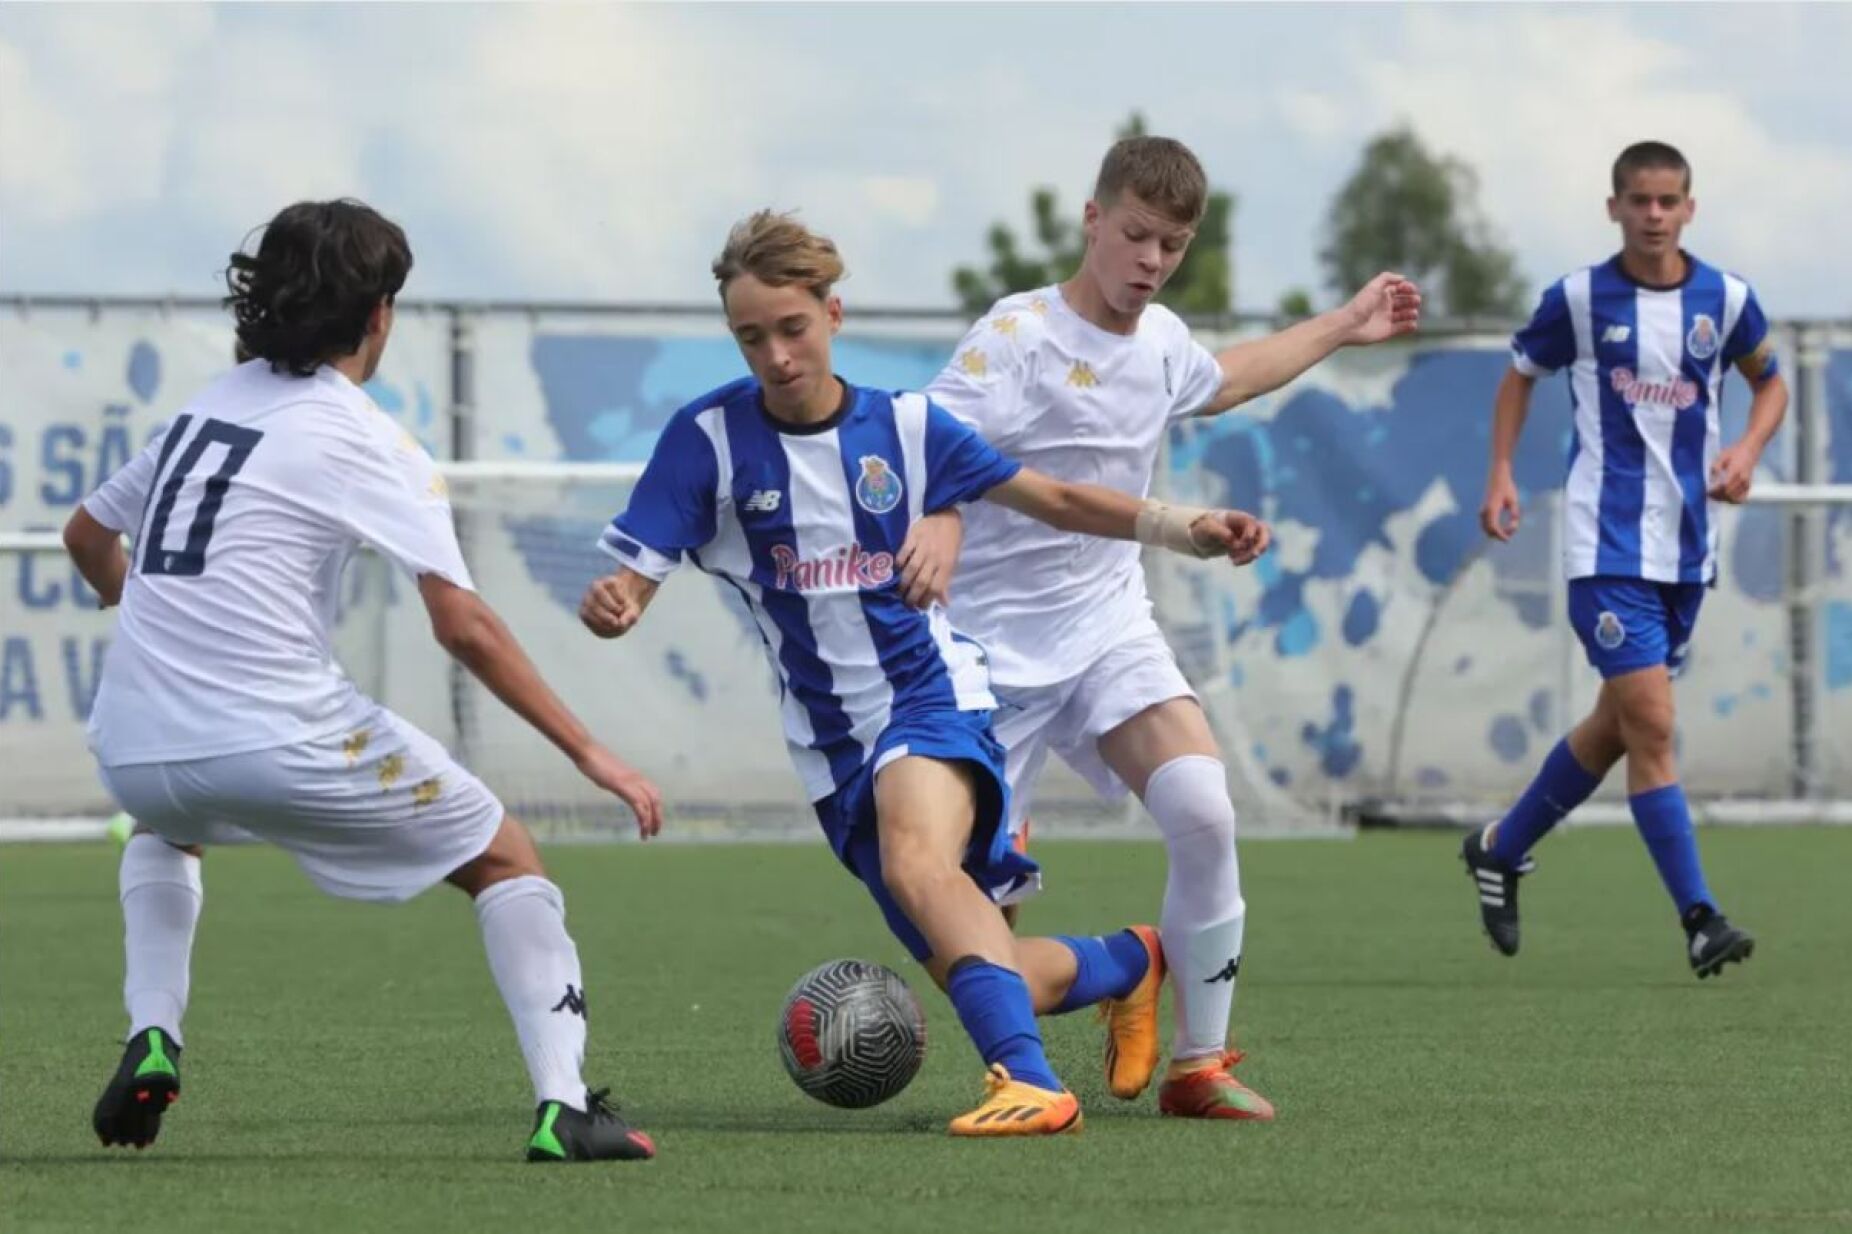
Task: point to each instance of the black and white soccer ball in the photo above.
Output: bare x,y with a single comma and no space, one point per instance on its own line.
852,1034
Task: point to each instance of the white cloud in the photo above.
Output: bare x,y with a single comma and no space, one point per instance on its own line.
86,107
909,200
1540,100
601,151
1312,114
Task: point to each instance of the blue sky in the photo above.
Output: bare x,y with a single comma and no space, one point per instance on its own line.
600,151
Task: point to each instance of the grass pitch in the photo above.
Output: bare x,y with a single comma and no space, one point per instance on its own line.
350,1067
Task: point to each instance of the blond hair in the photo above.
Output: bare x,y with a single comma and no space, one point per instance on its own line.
778,250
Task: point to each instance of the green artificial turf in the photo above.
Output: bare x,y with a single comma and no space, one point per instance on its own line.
351,1068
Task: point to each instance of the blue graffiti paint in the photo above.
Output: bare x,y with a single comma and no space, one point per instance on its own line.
1338,750
390,398
1838,645
681,670
1757,554
1540,709
1508,738
144,370
1361,618
1298,636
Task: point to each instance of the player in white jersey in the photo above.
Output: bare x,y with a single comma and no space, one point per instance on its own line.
1082,381
221,704
1647,338
802,492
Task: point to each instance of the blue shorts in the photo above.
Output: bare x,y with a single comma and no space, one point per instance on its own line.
848,814
1627,624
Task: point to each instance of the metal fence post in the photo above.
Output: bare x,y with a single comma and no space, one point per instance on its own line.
1806,560
462,448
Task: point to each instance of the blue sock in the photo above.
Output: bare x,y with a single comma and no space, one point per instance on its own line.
993,1004
1561,785
1664,821
1109,967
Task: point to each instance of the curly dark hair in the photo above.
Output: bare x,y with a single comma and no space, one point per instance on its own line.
319,271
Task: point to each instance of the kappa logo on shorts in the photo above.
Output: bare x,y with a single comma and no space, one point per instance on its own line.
878,490
1609,632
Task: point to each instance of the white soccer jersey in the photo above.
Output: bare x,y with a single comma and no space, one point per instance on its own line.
1060,395
243,511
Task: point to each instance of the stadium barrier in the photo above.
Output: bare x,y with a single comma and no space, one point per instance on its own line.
1382,664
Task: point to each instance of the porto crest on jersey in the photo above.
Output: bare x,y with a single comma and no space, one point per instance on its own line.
1701,339
878,490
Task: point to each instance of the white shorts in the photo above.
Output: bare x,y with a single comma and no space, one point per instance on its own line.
380,812
1071,716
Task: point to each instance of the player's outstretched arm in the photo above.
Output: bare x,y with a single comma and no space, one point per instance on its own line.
615,603
1499,512
1388,306
1095,511
470,630
97,553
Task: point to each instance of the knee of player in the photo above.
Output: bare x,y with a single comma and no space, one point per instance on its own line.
911,871
1188,797
1647,728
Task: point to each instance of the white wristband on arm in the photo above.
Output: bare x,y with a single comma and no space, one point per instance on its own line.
1168,527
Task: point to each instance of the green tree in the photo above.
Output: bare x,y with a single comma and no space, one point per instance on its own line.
1203,283
1407,209
1295,303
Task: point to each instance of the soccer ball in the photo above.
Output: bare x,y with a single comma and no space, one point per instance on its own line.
851,1033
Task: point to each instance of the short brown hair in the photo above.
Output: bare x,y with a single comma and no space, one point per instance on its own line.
778,250
1648,156
1160,171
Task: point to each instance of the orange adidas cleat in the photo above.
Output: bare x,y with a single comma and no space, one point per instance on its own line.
1210,1090
1132,1024
1014,1108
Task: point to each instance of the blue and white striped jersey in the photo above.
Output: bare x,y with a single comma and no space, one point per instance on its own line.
806,523
1646,367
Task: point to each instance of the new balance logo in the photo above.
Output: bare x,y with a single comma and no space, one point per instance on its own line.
763,501
1616,334
1228,973
573,1003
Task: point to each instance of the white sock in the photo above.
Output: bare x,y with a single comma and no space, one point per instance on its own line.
536,968
161,894
1203,912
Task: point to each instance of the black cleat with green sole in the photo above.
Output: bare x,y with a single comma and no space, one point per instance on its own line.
146,1082
599,1133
